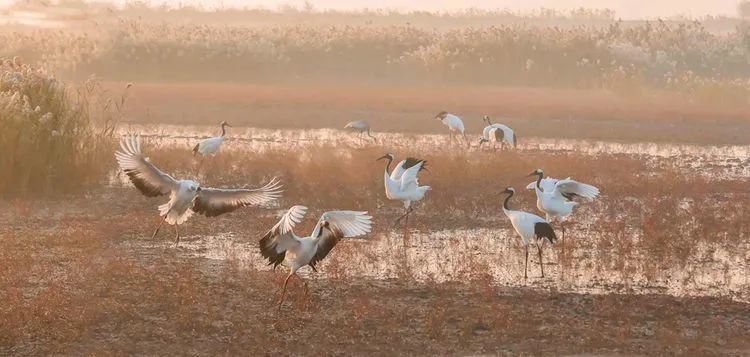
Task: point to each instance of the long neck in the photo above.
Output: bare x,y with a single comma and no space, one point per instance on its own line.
505,203
539,181
388,166
223,129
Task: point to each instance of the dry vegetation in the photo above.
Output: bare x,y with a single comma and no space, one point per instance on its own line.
79,282
79,275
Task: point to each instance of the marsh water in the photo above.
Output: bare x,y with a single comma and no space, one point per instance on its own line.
576,265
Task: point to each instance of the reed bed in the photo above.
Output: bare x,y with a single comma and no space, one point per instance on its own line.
48,135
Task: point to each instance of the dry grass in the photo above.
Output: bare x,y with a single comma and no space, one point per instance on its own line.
50,138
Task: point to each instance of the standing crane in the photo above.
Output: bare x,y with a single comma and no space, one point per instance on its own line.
455,125
362,127
281,245
211,145
531,228
497,133
185,196
402,184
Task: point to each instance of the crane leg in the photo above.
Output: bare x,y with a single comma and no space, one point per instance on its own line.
176,235
541,264
283,289
159,226
526,264
468,144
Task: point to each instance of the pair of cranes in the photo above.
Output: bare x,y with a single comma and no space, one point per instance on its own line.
279,245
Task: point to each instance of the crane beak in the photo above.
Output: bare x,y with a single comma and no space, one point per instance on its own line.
382,157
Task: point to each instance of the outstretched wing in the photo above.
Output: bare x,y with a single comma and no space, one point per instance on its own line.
409,179
547,184
404,165
281,237
215,201
571,189
334,225
146,177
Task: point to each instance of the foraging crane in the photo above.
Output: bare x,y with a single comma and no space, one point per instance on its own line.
402,184
211,145
531,228
555,197
361,126
497,133
282,246
454,124
185,196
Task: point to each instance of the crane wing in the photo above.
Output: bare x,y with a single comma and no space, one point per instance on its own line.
146,177
402,166
215,201
281,237
409,179
570,189
341,224
547,184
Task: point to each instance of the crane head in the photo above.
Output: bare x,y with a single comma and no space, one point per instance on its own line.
508,190
441,115
386,156
486,119
537,172
224,123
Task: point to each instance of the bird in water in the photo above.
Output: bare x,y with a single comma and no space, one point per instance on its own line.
212,145
556,197
185,196
281,246
402,184
531,228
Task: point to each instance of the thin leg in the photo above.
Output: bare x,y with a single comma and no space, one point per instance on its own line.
526,264
541,265
468,144
283,290
159,227
176,235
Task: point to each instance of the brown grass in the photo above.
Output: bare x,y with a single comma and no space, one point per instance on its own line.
81,282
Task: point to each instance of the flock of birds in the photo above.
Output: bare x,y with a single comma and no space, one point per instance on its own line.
281,246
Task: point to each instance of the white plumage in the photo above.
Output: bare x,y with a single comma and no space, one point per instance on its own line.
555,197
185,196
281,245
360,126
454,123
211,145
497,133
403,184
531,228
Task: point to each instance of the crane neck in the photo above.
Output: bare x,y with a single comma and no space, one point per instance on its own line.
505,203
388,165
539,181
223,129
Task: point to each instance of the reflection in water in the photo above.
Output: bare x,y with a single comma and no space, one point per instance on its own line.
459,255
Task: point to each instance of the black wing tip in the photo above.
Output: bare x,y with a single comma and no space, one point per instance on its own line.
195,149
268,250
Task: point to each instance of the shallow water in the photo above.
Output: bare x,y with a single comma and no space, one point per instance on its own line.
711,161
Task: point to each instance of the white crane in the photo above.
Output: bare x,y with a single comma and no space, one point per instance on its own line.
185,196
362,127
282,246
497,133
531,228
454,123
211,145
555,197
402,184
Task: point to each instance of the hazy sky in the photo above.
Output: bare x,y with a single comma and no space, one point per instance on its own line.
624,8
